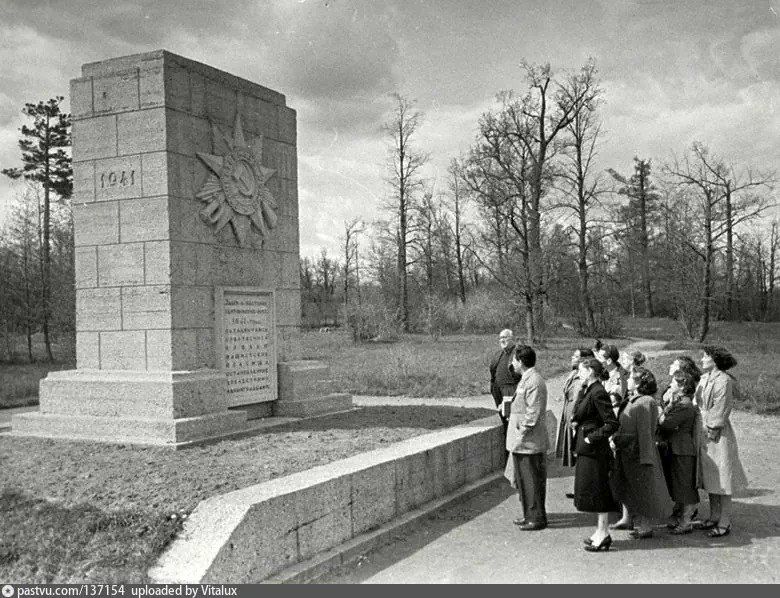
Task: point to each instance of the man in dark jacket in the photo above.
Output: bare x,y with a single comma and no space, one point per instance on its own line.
503,380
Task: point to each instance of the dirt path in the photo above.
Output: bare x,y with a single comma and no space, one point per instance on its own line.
475,541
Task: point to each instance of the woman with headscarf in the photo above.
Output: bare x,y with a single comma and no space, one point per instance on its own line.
721,470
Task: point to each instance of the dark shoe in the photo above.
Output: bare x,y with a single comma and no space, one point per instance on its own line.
641,535
719,532
706,524
622,525
680,530
570,495
532,526
673,522
519,521
604,545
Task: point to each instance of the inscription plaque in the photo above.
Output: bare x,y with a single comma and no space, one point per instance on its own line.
246,337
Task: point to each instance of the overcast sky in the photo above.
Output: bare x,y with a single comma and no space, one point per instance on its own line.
673,72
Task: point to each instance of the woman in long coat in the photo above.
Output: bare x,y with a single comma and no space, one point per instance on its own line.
721,470
639,481
564,446
594,422
678,434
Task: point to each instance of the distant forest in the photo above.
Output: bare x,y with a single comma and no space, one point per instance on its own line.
527,232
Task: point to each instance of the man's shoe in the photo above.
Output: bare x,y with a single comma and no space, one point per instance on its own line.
532,526
520,521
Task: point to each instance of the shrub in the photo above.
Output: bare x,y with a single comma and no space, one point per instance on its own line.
373,321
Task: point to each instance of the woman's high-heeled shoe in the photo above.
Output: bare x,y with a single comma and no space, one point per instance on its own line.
603,545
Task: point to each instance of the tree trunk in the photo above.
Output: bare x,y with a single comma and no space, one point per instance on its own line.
707,274
729,256
582,266
644,242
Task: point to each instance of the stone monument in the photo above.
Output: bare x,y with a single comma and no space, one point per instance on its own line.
187,285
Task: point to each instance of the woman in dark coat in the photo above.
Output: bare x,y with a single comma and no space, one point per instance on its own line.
639,481
678,430
594,422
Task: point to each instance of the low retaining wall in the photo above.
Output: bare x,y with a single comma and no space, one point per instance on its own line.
250,534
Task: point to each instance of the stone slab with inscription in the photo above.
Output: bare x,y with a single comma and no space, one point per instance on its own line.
245,344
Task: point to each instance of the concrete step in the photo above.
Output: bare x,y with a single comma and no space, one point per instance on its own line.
123,430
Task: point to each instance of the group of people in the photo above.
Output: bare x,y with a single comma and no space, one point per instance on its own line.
635,449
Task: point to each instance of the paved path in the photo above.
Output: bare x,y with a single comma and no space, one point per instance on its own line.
475,541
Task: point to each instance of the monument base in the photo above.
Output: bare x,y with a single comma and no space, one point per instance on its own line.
148,408
305,390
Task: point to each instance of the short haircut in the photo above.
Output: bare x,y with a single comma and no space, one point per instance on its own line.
722,358
685,381
612,352
525,355
645,381
638,358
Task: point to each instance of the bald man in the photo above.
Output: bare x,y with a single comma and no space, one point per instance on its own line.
503,381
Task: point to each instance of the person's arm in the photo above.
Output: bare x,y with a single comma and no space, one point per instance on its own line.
722,400
604,407
644,433
675,416
533,403
493,365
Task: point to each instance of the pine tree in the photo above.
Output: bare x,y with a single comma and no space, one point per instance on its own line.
45,161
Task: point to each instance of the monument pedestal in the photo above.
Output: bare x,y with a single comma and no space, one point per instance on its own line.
305,390
157,408
185,206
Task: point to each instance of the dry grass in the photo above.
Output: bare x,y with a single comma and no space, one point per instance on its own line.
420,366
76,511
756,345
19,382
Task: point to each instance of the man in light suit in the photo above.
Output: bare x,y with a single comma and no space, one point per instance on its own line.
527,439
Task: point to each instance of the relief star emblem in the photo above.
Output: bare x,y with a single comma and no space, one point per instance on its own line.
235,190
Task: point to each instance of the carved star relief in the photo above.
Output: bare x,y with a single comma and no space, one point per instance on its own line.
235,190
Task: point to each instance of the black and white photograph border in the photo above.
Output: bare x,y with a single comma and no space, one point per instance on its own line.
437,291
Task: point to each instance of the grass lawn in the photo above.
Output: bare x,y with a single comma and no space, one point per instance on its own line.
756,345
19,382
75,511
419,366
416,366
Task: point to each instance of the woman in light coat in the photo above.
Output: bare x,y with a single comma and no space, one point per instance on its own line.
639,480
721,470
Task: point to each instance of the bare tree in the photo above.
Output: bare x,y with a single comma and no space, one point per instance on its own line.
351,230
581,189
458,197
405,162
741,203
706,174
